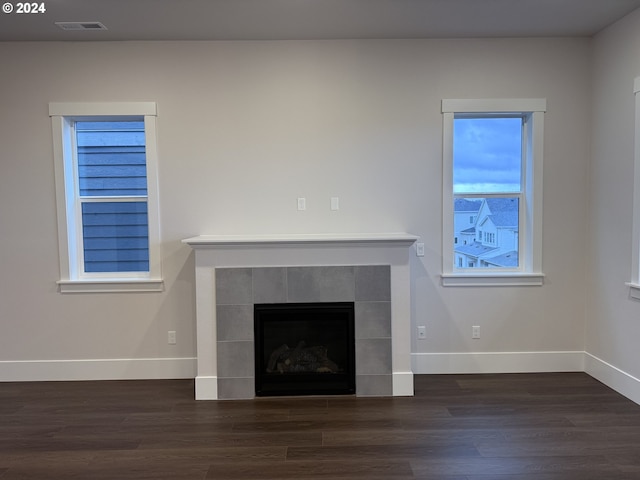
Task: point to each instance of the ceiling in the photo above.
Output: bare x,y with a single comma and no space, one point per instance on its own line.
312,19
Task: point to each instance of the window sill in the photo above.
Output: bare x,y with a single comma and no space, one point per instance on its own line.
634,290
492,279
111,286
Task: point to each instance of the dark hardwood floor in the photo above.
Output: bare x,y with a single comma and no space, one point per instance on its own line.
457,427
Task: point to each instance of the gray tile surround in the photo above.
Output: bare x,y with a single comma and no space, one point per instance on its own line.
237,289
373,283
321,284
235,322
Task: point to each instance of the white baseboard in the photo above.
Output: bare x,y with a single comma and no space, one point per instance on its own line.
497,362
402,384
422,363
613,377
97,369
206,388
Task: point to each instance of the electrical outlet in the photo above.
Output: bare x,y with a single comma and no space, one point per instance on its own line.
302,203
422,332
171,337
475,331
420,249
335,203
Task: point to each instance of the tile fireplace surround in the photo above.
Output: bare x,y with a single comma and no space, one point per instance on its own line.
234,272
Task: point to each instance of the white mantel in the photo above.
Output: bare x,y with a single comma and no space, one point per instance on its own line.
208,241
290,250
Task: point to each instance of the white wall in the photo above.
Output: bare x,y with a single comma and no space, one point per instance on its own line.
245,128
613,318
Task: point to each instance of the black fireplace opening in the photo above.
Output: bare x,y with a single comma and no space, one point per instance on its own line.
304,349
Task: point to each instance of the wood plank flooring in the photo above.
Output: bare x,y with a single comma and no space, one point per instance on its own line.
561,426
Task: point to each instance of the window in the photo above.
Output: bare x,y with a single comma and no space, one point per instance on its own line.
492,164
106,187
634,284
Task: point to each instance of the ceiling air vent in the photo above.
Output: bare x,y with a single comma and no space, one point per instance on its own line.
75,26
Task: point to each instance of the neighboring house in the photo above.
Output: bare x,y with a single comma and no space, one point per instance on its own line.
465,214
492,241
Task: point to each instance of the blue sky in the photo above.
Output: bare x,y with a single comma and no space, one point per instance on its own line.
487,154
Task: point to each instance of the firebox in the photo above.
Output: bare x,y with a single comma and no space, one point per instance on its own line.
304,349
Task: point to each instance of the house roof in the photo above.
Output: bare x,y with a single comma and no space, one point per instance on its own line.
508,204
464,205
504,211
475,249
505,219
509,259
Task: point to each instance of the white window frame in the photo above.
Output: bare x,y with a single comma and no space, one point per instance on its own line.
634,284
72,279
529,271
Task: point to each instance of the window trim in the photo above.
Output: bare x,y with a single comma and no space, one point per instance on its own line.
71,279
529,271
634,284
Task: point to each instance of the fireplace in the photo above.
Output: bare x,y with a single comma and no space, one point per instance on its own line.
235,272
238,290
304,348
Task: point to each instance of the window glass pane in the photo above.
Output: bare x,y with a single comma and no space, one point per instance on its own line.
491,241
116,237
111,158
487,154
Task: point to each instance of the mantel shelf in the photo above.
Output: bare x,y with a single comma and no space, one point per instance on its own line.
212,241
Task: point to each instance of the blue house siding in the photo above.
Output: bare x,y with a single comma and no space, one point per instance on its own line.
112,163
116,237
105,171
